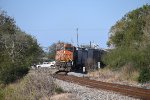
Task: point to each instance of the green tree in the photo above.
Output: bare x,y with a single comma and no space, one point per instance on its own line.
130,39
18,50
52,51
130,29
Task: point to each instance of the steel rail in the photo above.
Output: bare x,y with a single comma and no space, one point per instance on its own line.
123,89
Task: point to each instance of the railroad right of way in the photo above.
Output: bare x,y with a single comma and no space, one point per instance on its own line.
122,89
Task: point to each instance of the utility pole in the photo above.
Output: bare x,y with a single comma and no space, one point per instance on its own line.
90,45
77,39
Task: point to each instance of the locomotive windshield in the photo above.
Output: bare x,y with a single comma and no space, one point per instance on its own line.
69,48
63,46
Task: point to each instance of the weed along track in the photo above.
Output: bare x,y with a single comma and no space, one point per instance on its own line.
125,90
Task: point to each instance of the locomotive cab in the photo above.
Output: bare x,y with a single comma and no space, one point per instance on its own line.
64,56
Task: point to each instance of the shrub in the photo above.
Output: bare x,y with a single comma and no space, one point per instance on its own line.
144,75
37,84
18,50
10,73
131,41
1,94
59,90
117,57
137,58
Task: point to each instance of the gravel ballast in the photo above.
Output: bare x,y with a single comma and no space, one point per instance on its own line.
139,85
85,93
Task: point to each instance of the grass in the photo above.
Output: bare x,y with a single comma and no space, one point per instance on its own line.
38,84
59,90
125,74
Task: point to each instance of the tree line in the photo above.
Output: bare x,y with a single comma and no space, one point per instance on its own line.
130,43
18,50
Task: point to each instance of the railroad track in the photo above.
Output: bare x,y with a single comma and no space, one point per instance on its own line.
123,89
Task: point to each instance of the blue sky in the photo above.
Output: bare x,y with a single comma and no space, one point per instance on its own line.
53,20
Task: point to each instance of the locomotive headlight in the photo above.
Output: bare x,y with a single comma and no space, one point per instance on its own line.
64,52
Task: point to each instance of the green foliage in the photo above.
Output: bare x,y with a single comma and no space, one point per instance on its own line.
144,75
1,93
129,30
130,39
59,90
18,50
36,85
114,58
119,57
10,73
52,51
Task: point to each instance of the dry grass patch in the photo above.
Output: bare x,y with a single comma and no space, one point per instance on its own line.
38,84
125,75
64,96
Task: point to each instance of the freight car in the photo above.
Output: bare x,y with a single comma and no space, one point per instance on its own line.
68,57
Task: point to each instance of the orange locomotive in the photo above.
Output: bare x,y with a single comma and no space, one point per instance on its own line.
64,56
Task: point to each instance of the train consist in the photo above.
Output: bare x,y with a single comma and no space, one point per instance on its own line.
71,58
